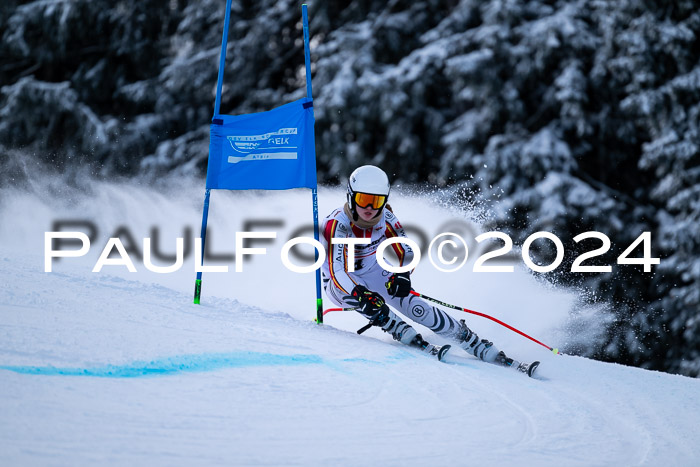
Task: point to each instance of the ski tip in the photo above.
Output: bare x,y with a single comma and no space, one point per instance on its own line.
443,350
532,368
555,351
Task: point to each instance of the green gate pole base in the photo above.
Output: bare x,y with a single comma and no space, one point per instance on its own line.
319,311
197,290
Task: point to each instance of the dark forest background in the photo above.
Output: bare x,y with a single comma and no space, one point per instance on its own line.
564,116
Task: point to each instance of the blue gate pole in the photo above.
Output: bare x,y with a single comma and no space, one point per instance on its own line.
203,236
314,191
222,59
217,107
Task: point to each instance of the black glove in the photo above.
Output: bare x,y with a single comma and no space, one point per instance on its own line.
370,304
399,284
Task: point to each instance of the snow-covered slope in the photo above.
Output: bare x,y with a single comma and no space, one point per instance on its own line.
120,368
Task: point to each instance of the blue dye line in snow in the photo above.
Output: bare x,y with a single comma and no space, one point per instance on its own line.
181,364
173,365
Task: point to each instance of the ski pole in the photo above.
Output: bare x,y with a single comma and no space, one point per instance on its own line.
328,310
483,315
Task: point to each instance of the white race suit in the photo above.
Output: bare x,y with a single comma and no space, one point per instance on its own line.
338,281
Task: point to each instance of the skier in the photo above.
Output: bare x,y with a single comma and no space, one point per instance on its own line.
370,289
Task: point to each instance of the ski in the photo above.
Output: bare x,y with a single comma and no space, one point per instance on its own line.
438,351
430,349
443,351
527,368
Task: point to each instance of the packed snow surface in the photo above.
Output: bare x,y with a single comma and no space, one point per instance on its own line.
120,368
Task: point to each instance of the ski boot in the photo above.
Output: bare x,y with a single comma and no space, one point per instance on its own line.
482,349
404,333
372,306
430,349
527,368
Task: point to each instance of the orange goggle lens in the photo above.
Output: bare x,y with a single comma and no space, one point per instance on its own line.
364,200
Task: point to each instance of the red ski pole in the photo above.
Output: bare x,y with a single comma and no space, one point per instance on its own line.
483,315
328,310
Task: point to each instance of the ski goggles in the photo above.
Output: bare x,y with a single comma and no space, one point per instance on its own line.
365,200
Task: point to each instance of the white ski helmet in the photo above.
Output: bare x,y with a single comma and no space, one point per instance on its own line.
368,185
